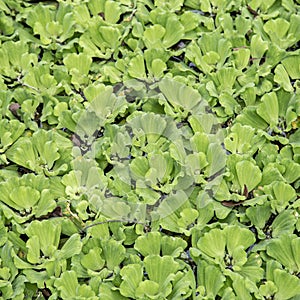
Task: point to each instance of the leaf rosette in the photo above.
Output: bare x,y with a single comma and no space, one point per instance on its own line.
154,144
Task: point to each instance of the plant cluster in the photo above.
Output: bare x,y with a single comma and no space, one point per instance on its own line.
150,149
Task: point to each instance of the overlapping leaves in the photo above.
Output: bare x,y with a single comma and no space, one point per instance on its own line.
110,127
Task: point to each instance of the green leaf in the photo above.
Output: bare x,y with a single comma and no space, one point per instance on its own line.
154,243
161,270
283,223
213,244
277,30
113,253
285,250
171,203
229,103
23,153
241,58
250,117
48,234
78,66
149,244
292,66
69,287
153,126
174,32
259,215
158,67
71,247
14,51
187,217
251,269
268,289
80,62
195,163
288,285
104,37
161,166
282,78
203,123
199,142
172,246
106,290
283,194
93,260
153,36
136,68
139,167
211,278
148,289
292,170
6,23
258,46
183,285
269,109
179,95
47,149
248,174
132,276
104,104
242,238
112,11
241,287
25,196
242,139
33,245
38,18
45,204
225,79
172,5
118,211
10,131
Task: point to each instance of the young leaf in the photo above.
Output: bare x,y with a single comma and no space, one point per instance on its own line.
149,289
